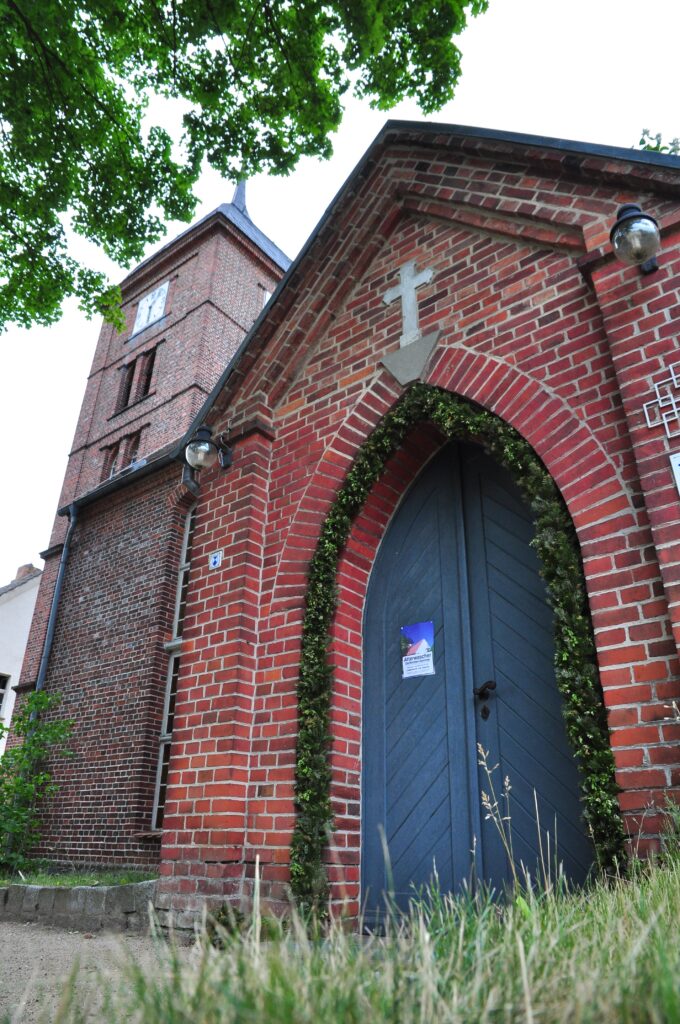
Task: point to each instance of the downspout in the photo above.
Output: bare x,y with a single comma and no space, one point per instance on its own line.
51,624
189,478
54,608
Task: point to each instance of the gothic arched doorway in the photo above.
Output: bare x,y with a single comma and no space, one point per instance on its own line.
457,554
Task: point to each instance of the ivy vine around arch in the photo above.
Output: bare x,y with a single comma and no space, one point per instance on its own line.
558,550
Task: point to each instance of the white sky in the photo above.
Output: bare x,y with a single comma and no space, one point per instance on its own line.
590,70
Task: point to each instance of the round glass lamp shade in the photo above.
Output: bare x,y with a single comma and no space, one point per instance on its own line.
635,237
201,454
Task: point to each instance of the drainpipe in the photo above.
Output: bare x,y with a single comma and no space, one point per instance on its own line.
54,608
189,478
51,623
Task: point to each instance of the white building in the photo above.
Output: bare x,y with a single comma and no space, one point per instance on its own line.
17,601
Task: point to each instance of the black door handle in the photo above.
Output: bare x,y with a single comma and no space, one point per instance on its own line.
482,692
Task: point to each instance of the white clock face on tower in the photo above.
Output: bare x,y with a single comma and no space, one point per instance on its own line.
151,308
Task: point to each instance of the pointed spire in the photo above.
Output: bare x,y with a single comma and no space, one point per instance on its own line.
239,198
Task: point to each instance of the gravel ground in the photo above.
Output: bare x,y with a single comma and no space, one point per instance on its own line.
35,961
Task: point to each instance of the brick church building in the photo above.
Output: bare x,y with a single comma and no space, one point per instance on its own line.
456,356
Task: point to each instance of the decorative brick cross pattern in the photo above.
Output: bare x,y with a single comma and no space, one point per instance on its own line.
665,408
409,281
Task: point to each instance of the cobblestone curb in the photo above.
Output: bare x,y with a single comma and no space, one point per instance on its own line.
85,908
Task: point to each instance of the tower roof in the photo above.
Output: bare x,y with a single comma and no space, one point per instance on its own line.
237,214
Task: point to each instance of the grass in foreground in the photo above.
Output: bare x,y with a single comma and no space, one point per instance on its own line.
71,879
609,954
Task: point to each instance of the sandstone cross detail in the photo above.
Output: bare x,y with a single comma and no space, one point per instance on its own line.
409,281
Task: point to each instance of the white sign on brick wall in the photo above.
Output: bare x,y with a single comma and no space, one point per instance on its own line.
675,466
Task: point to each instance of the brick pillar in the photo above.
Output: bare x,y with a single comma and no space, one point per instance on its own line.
640,319
206,815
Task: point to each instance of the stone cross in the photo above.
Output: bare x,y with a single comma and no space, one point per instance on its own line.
409,281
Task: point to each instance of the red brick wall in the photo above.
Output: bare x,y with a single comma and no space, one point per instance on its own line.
109,666
205,814
524,335
640,314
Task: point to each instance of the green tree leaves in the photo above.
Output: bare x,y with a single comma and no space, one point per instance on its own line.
655,143
261,82
24,777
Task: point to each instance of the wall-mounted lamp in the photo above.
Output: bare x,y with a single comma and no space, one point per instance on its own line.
202,452
635,238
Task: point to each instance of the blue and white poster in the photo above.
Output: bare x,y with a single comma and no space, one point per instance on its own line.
417,650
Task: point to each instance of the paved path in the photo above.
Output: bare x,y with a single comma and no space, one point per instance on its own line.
36,960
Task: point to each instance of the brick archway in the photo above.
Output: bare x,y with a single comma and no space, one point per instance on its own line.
352,578
581,468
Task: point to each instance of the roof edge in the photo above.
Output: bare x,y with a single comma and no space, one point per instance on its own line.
521,139
17,584
129,475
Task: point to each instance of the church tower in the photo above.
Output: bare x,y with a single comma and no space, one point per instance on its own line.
186,310
104,633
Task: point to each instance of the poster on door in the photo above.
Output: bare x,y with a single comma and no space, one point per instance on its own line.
417,649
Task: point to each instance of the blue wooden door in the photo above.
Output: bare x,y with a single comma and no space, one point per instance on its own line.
458,554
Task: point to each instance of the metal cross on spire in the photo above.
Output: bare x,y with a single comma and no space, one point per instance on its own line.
409,282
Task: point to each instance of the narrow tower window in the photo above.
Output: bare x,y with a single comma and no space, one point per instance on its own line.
120,454
126,378
110,463
132,446
146,373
